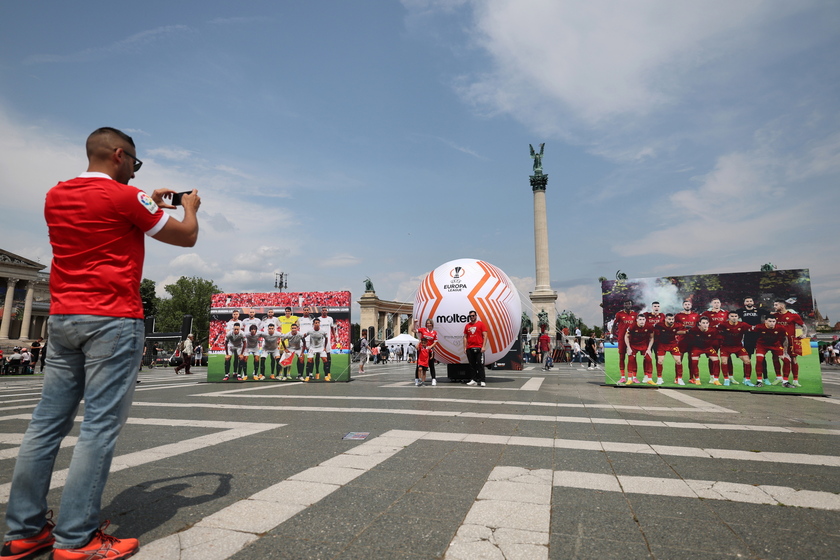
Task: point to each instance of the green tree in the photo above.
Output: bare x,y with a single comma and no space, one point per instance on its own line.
188,296
149,297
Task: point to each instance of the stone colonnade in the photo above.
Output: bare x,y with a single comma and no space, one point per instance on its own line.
21,273
379,314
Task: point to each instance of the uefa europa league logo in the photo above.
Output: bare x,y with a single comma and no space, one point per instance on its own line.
456,272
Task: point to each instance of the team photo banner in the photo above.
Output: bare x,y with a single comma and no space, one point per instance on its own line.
285,336
744,331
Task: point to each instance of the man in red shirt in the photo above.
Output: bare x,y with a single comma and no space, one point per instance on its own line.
771,338
704,340
716,315
97,226
685,321
665,339
732,342
623,319
544,346
653,317
639,338
788,321
475,342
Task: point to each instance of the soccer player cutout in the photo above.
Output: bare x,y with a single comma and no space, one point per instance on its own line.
252,348
639,339
328,326
751,315
653,317
623,320
685,321
788,321
287,320
704,340
666,335
234,347
270,350
732,342
716,315
316,341
771,338
295,346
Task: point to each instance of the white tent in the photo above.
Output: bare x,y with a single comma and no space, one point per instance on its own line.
402,339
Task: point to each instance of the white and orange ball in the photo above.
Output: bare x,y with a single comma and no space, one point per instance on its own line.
451,290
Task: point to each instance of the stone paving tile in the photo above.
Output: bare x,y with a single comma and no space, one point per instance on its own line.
704,534
772,542
464,483
432,506
426,537
569,547
608,524
598,500
288,548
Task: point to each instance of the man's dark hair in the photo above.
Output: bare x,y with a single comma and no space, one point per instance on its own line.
100,137
656,303
669,315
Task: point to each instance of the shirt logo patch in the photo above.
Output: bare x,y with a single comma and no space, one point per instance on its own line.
147,202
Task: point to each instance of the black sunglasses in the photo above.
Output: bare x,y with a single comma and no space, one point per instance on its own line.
137,163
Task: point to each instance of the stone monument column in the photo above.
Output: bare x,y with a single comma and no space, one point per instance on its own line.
27,310
7,308
543,297
369,308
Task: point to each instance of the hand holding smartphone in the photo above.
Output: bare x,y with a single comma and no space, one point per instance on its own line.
176,198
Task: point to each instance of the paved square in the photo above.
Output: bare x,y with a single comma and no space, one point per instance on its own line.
535,465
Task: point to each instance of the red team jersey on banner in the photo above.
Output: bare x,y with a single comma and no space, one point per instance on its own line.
701,341
639,337
732,336
788,321
768,338
623,320
715,317
666,336
651,319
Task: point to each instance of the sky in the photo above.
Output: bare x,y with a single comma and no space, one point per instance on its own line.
337,140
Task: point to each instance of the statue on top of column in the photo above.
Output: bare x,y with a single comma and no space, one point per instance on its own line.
369,285
537,158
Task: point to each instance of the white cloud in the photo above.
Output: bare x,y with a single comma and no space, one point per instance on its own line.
171,153
599,59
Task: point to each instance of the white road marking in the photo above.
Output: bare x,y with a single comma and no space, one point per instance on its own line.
705,489
230,394
533,384
231,529
700,404
509,519
232,430
500,416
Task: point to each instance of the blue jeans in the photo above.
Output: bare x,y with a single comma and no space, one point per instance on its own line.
95,358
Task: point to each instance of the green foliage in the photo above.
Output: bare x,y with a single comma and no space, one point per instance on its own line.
188,296
149,297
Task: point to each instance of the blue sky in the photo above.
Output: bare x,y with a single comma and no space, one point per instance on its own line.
335,140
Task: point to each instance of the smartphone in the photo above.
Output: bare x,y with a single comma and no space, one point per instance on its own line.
176,198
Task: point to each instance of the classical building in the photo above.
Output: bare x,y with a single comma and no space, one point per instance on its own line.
25,295
382,315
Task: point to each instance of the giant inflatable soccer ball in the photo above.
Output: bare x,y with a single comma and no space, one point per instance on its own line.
451,290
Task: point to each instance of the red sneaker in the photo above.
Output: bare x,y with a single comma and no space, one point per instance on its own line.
23,549
100,547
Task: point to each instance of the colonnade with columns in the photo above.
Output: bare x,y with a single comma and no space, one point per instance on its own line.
19,273
379,314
